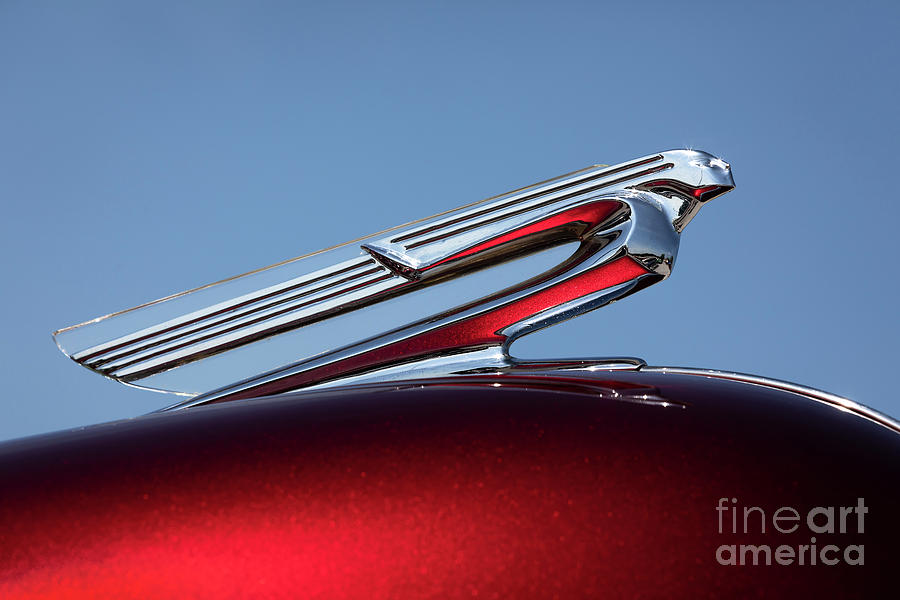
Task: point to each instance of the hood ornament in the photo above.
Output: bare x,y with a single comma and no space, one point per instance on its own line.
443,295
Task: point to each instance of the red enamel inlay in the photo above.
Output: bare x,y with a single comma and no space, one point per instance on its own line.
700,192
587,216
481,330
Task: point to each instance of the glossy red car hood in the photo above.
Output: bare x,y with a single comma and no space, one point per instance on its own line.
480,487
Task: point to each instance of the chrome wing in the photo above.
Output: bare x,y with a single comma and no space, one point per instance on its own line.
441,295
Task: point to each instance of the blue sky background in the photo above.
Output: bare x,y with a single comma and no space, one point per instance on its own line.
148,148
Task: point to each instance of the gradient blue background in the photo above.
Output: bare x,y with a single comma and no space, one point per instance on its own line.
146,149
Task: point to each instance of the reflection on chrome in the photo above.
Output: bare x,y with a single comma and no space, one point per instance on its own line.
442,295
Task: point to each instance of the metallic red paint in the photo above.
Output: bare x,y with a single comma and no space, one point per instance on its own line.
568,225
488,487
480,330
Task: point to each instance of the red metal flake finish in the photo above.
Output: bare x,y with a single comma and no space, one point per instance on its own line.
516,487
480,330
572,224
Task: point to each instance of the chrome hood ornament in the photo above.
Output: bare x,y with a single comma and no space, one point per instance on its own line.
442,295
